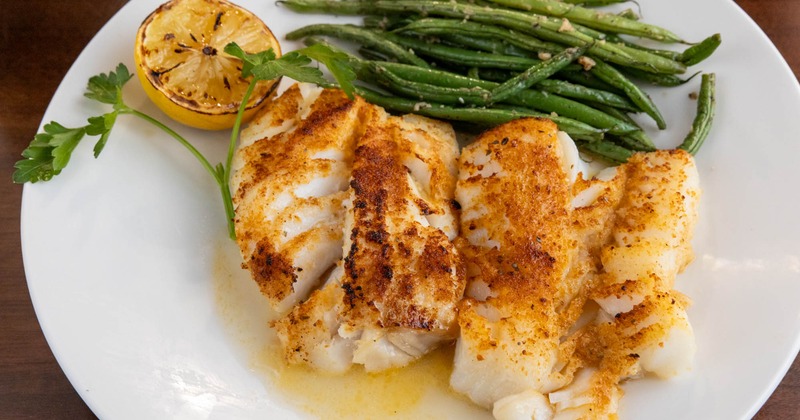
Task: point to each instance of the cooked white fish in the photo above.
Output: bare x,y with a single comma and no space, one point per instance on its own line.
641,324
345,217
569,280
651,239
515,191
368,200
290,179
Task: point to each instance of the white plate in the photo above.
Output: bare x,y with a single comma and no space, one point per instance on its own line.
138,292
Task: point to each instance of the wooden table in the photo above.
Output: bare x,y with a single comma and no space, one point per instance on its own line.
39,39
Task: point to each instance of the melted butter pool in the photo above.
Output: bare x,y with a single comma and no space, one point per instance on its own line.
418,391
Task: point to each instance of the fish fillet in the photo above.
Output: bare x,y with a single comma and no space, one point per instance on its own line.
641,325
369,274
290,179
569,279
515,190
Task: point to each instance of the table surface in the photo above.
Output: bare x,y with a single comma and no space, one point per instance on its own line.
39,40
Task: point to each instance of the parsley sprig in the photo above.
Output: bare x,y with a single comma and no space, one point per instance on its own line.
50,151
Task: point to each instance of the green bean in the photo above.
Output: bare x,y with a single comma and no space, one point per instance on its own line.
546,28
337,7
701,51
358,34
607,150
585,78
548,102
496,75
576,129
494,46
541,101
666,80
570,72
460,55
595,96
371,54
451,26
592,18
387,23
616,113
629,14
612,76
435,76
536,73
427,92
570,75
482,116
637,140
706,104
475,2
672,55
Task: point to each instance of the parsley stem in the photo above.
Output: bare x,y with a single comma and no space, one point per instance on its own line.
227,200
235,130
224,183
219,176
176,136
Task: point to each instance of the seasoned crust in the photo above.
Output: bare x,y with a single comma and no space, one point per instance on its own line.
305,139
520,244
398,271
524,205
387,279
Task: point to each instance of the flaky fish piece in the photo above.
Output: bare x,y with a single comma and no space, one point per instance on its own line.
291,174
651,239
569,279
380,223
641,324
515,189
646,210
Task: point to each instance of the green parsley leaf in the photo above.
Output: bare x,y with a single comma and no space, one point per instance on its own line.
107,88
37,166
63,140
249,60
291,65
337,62
50,150
101,126
48,153
264,65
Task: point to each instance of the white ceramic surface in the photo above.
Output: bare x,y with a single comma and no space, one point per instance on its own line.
138,291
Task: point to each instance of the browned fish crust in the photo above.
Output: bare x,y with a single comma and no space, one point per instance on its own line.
393,279
283,159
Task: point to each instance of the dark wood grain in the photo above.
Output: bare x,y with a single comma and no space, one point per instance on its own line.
39,39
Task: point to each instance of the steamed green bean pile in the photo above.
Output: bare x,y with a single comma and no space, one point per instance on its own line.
486,62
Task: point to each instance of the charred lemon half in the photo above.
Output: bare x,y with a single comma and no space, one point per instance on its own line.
182,66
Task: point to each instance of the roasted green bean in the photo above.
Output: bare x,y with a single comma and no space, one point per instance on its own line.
607,150
358,34
546,28
706,104
701,51
607,22
536,73
481,116
612,76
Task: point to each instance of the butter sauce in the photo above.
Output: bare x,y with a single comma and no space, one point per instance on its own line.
418,391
